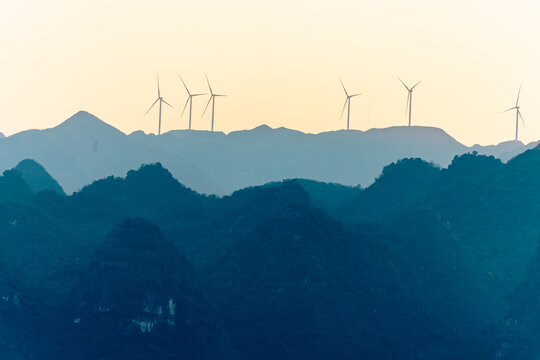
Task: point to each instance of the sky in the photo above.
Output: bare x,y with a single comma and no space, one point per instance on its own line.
278,61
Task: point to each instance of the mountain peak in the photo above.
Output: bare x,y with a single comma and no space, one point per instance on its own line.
265,130
82,116
37,177
262,127
85,122
136,249
2,135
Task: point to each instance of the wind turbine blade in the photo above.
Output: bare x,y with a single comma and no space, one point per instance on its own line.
353,95
193,95
219,95
416,84
208,82
185,106
184,85
346,93
523,121
158,93
207,104
519,92
344,105
512,108
406,87
167,103
147,111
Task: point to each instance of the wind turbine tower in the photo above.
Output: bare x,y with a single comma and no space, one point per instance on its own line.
518,112
190,101
161,100
212,100
347,103
409,98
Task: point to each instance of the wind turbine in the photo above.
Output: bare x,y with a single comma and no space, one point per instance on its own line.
161,100
189,100
347,103
409,97
213,100
518,112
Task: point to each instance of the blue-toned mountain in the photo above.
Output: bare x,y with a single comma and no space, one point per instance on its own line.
83,149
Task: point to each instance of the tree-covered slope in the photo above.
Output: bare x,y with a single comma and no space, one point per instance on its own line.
416,266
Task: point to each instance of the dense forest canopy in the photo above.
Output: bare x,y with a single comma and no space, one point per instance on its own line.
425,263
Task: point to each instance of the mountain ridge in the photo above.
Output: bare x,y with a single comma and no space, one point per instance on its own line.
84,148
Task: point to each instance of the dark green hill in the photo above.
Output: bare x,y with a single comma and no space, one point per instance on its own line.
328,196
15,342
300,275
491,207
37,177
13,187
517,336
402,185
446,279
402,273
138,300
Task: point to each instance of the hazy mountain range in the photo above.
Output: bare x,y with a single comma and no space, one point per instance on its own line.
84,148
424,263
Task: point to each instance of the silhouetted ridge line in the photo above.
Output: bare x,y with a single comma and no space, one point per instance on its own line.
83,120
84,148
37,177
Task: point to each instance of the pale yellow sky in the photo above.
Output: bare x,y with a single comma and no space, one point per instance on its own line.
279,62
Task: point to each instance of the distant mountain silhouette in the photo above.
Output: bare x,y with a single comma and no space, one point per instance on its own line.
37,177
84,148
505,150
2,135
261,155
254,157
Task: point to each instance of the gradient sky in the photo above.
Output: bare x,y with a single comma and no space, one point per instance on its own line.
279,62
